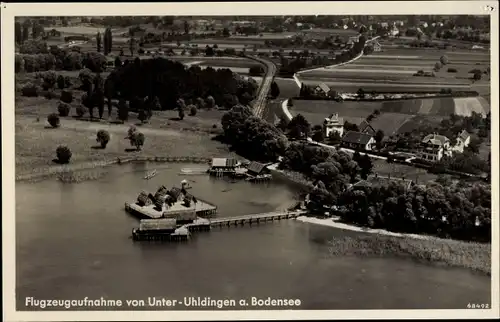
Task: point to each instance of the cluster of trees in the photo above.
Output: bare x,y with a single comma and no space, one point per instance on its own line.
331,170
106,42
328,42
150,78
251,136
22,31
452,211
35,57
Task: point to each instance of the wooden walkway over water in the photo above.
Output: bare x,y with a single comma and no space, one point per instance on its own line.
206,224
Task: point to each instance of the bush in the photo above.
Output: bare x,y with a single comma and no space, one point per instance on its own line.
103,138
475,71
444,60
131,130
30,90
80,111
61,83
437,66
256,70
49,79
63,109
67,96
53,120
50,94
63,154
137,139
192,110
452,70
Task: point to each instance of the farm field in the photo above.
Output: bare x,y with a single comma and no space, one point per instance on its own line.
351,86
396,116
239,70
316,111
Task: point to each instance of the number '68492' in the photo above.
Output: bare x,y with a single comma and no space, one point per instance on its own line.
478,306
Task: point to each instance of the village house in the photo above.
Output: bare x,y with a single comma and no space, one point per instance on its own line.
257,169
463,140
358,141
322,89
377,47
365,127
394,31
333,124
433,147
384,24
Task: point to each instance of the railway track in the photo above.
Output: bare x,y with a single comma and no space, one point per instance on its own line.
259,104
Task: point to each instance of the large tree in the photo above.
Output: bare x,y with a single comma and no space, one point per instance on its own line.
299,127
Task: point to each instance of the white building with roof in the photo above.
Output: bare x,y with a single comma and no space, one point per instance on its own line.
332,124
463,140
433,147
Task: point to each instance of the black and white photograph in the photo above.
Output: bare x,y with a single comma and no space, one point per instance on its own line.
315,160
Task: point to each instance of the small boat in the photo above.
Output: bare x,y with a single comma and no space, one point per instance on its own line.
150,175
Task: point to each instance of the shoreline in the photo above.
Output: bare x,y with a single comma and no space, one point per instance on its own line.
86,166
331,222
423,248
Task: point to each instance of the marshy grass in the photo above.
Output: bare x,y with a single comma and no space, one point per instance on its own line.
452,253
74,176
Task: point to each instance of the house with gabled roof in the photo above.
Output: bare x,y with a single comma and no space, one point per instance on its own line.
365,127
322,89
377,47
358,141
257,168
433,147
462,141
223,163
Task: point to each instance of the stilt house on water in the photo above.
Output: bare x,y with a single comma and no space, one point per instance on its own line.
160,229
258,172
223,166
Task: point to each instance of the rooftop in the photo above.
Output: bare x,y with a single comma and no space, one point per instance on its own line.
256,167
463,135
223,162
365,127
356,137
435,139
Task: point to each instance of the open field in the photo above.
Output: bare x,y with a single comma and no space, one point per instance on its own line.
36,144
316,111
397,116
351,86
419,176
394,68
442,106
165,135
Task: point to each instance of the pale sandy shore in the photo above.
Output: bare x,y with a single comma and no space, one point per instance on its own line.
333,222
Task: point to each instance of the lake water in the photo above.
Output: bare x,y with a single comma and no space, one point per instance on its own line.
73,241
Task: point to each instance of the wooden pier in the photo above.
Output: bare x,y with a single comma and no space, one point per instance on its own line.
207,224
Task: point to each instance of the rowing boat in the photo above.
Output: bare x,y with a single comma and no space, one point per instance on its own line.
150,175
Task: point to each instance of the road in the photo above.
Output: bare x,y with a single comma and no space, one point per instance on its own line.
261,100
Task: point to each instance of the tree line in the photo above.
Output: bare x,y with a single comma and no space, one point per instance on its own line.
150,78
